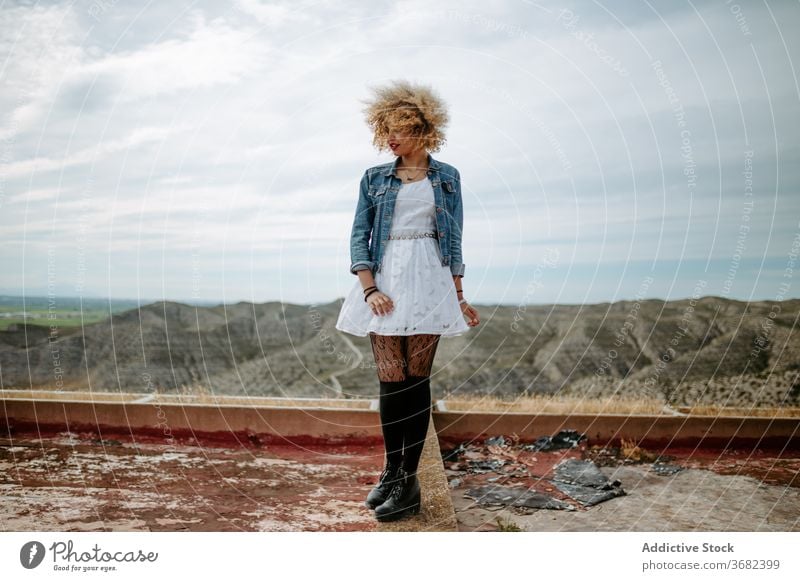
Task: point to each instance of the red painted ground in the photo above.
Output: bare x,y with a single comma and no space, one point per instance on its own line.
65,482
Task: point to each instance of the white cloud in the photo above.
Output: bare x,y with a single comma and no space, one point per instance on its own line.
213,53
246,117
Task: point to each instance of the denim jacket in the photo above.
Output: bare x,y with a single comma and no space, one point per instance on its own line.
373,219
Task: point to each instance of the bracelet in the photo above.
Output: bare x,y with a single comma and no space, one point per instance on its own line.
369,288
462,301
374,290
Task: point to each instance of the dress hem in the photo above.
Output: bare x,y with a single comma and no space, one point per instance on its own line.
441,334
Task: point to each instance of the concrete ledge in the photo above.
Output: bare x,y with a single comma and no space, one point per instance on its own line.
646,430
264,420
192,421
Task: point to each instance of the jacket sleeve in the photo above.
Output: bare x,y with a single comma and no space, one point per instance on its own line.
457,231
360,258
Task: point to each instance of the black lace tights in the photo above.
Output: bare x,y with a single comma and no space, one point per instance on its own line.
398,357
404,368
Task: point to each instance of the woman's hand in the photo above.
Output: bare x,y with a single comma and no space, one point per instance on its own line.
471,314
380,303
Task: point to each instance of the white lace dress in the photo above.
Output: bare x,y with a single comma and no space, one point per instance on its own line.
412,275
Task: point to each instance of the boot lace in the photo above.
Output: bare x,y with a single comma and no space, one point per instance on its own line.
387,474
400,485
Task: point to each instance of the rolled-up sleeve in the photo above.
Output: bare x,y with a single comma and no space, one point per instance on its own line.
360,258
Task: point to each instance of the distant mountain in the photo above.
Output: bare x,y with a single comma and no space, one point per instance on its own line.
713,351
44,291
43,300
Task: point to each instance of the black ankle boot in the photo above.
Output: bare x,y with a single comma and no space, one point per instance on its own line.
404,498
380,493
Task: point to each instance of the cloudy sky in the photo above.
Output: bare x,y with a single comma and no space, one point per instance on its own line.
212,151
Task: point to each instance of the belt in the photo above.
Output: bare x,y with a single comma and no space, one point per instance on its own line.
409,235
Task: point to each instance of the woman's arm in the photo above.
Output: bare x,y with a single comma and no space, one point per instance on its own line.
456,264
362,229
469,311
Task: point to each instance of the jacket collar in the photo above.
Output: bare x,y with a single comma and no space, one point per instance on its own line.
433,165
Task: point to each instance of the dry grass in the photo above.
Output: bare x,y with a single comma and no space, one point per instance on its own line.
710,410
548,404
68,395
630,451
554,404
506,525
264,401
185,398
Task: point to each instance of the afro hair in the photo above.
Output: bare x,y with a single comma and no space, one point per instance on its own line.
403,106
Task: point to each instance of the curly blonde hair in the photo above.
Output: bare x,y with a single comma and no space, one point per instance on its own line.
404,106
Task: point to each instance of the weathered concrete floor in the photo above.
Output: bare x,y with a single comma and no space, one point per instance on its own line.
61,483
64,483
731,491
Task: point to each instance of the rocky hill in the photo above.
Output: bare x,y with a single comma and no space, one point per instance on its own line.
711,350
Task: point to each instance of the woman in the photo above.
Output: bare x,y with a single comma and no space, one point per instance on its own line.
406,251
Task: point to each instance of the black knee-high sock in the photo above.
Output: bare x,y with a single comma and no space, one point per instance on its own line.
417,405
390,405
